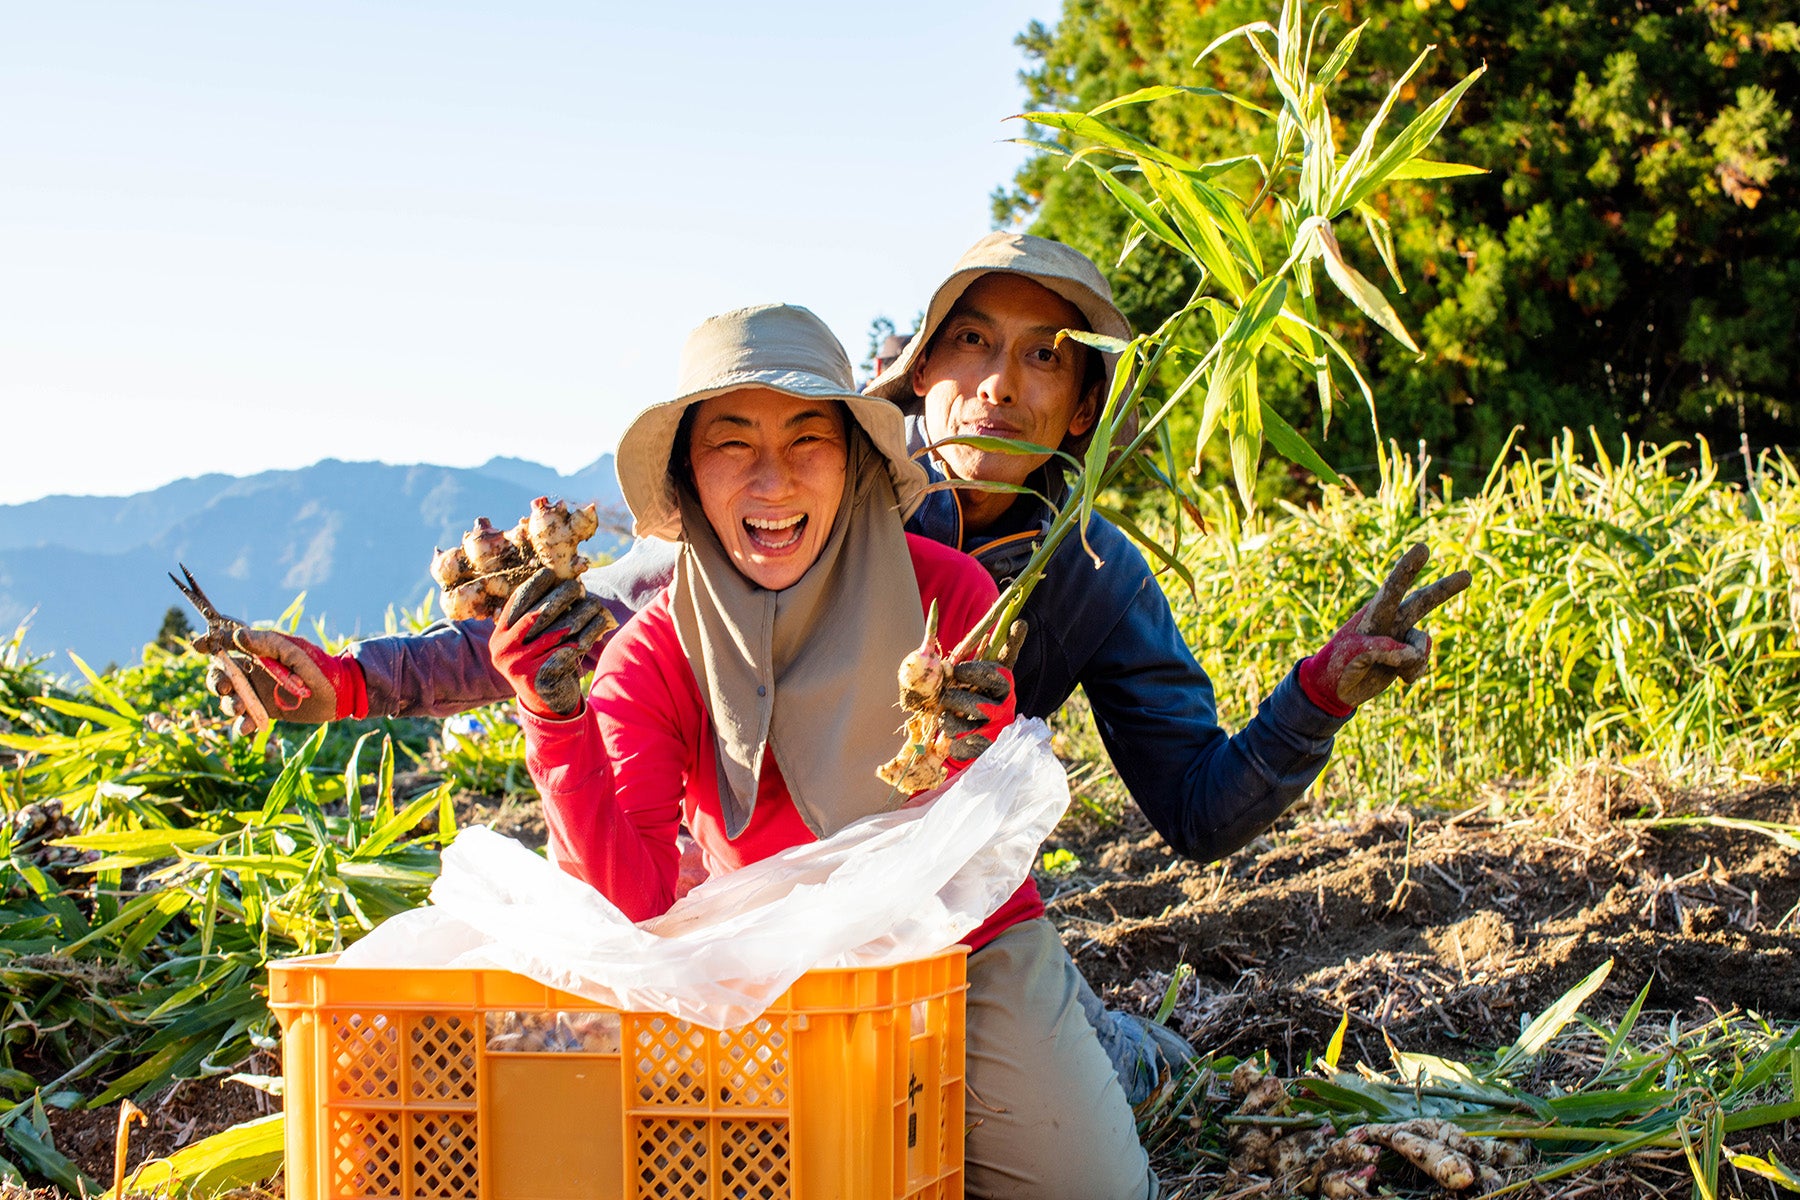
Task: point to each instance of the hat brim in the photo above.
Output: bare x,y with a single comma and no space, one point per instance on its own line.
648,444
1103,317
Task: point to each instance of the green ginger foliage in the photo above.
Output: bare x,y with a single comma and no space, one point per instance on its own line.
1631,260
133,949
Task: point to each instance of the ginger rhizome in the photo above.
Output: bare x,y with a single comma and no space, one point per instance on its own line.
923,675
476,577
1318,1161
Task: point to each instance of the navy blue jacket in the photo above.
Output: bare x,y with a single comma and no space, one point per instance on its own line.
1108,630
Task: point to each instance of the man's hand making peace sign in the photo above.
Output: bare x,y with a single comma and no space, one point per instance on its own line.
1381,642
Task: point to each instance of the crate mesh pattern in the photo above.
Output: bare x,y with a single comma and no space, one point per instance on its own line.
442,1084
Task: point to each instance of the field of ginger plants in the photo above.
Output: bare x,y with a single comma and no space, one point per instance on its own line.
1551,891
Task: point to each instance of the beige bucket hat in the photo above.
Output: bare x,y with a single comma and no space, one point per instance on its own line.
778,346
1063,269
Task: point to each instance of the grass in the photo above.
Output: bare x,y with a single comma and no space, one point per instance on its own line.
1623,606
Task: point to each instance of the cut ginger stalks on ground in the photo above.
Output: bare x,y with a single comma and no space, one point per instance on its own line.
476,577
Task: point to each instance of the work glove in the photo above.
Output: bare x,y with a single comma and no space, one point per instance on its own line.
977,701
1380,643
540,639
294,679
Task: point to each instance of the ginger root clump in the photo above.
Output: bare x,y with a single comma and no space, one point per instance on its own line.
475,578
923,674
553,1033
1320,1162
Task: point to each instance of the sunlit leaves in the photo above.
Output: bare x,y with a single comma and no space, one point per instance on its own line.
1308,184
141,964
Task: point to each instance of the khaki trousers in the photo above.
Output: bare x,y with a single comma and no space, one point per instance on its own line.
1047,1117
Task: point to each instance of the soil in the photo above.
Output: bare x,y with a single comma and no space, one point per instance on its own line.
1446,934
516,817
1442,934
1437,933
192,1109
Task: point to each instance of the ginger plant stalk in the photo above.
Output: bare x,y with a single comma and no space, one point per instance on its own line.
1187,207
1099,472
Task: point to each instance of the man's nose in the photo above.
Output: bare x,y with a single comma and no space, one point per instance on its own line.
997,387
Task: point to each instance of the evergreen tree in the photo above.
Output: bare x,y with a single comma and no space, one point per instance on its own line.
175,628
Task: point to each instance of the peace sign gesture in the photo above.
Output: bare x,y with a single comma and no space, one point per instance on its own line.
1381,641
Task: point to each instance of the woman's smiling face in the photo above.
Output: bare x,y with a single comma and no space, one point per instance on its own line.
769,471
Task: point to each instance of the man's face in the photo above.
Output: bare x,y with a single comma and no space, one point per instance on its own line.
995,370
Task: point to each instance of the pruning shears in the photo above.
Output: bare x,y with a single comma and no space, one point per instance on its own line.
220,637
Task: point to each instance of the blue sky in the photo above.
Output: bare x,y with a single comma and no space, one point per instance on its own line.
236,237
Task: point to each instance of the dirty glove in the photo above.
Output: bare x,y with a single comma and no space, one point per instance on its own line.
1379,643
540,639
977,700
295,680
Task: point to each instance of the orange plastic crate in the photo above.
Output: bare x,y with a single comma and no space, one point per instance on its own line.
428,1084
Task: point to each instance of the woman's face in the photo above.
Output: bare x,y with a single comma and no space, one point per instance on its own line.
769,471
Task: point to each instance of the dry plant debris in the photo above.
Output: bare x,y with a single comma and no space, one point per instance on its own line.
1446,935
1442,932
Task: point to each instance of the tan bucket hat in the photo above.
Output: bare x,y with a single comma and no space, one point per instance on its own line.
778,346
1063,269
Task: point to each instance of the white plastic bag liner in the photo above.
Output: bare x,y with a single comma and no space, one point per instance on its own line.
884,889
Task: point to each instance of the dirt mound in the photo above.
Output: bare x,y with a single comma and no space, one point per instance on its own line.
1442,934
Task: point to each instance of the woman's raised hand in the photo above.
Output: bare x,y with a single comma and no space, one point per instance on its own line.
541,638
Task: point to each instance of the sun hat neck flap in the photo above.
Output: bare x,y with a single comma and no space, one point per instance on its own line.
1063,269
789,672
782,347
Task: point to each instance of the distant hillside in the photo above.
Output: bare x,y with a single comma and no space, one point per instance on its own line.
355,537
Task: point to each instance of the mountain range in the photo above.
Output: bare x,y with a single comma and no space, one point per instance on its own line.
89,573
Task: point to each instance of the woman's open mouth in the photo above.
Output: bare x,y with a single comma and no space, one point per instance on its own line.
775,535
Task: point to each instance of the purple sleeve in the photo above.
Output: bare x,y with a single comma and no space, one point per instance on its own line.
445,669
442,671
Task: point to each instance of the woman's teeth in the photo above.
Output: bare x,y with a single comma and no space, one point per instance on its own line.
775,535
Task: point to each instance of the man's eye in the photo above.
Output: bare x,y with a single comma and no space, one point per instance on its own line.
969,337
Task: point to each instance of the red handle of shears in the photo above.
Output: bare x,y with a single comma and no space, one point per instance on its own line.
285,682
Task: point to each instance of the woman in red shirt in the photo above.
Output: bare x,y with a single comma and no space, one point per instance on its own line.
752,702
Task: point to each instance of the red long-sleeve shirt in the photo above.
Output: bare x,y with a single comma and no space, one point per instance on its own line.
619,779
